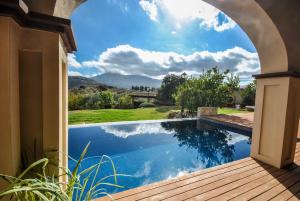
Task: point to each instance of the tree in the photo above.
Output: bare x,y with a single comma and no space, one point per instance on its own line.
169,86
124,102
248,94
212,89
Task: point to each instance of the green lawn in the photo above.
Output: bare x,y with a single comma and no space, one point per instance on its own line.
114,115
230,111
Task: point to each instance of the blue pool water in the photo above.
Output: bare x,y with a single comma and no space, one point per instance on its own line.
152,152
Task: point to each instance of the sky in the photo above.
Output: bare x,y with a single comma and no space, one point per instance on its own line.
157,37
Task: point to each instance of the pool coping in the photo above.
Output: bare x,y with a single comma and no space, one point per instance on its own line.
228,124
244,130
130,122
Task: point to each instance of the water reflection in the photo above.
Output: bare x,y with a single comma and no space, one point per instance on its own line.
212,143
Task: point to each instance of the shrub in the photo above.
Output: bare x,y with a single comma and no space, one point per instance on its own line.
77,101
145,105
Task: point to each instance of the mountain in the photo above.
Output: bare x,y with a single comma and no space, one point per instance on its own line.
126,81
77,81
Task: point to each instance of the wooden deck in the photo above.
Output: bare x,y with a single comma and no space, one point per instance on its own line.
246,179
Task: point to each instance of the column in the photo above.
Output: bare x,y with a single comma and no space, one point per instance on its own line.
276,120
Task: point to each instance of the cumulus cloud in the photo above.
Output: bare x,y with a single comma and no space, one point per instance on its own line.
150,8
73,62
125,59
187,10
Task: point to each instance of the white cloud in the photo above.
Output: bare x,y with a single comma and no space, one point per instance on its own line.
74,73
183,11
135,129
125,59
150,8
72,61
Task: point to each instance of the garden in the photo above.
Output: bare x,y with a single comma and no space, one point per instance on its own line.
179,96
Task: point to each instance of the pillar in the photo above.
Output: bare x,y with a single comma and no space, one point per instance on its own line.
10,154
34,86
276,120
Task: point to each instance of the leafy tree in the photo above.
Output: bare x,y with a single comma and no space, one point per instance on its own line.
248,94
212,89
169,86
100,100
141,88
124,102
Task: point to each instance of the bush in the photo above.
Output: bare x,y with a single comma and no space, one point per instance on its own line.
77,101
94,100
145,105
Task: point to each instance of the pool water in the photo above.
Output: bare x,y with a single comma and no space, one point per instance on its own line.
152,152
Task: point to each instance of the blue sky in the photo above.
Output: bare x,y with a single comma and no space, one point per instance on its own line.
156,37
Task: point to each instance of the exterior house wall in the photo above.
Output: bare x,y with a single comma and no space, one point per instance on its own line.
9,102
25,55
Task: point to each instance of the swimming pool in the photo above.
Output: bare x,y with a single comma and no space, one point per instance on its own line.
155,151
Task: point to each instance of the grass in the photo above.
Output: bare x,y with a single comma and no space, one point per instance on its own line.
115,115
230,111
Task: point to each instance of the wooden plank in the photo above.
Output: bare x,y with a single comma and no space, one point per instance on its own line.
267,176
274,182
240,183
278,189
295,197
288,193
243,179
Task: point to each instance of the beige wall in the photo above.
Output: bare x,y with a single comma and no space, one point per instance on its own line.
9,102
31,104
43,72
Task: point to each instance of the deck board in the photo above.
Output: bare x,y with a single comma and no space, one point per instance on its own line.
246,179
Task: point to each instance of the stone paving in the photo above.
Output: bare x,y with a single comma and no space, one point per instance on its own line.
242,119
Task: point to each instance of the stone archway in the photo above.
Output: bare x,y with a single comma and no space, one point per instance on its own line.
274,138
40,32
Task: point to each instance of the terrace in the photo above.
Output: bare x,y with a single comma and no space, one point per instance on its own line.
36,39
246,179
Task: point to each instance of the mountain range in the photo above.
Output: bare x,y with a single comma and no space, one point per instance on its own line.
114,80
126,81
